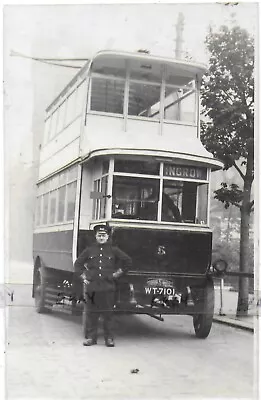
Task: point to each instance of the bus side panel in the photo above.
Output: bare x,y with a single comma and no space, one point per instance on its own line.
85,238
54,249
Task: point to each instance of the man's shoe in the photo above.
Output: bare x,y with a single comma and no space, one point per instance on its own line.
90,342
109,342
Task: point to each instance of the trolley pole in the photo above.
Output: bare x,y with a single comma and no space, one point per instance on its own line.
179,34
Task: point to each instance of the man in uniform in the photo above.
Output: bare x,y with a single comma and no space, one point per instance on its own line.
99,266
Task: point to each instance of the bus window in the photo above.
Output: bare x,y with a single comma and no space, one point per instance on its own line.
52,214
71,194
70,108
189,200
53,125
172,201
180,102
72,173
143,98
202,204
137,167
107,94
45,208
135,198
104,183
105,167
61,115
184,202
99,204
96,202
61,203
38,210
62,178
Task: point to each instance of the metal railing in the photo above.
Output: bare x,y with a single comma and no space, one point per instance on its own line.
221,287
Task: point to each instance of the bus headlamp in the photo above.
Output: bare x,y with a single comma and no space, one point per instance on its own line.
220,265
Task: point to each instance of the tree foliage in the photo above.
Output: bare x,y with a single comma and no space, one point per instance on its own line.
228,104
228,128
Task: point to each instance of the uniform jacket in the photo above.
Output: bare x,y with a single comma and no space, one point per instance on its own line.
98,262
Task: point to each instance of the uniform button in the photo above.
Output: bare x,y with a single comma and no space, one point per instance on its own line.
101,248
100,254
99,274
100,261
99,267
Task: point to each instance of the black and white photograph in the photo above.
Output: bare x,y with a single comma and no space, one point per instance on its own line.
131,241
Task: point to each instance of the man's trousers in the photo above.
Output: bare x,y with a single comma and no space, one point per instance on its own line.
98,304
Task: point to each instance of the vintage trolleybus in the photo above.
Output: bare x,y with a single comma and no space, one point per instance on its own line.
122,147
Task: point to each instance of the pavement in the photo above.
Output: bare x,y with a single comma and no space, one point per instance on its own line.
226,314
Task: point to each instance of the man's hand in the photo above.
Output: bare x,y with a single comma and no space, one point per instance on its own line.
85,281
117,274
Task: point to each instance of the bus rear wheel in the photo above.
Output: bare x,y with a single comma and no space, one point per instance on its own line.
40,293
204,299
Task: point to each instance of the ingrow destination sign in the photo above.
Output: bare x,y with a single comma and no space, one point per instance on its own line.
181,171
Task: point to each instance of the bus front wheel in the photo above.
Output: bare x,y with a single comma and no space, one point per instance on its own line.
204,298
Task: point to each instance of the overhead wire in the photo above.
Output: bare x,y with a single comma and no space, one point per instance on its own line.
50,60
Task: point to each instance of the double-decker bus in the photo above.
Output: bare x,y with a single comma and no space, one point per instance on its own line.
122,147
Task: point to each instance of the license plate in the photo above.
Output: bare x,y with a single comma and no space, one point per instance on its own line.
165,291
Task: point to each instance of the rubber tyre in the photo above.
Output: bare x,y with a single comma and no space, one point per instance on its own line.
40,293
202,322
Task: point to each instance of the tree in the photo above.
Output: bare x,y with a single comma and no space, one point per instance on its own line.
228,129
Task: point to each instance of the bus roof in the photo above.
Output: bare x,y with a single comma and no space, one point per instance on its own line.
141,64
181,66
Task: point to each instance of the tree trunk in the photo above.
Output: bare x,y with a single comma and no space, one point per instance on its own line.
243,291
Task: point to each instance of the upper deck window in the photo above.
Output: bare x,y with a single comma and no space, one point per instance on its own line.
144,99
179,99
107,94
52,132
138,89
70,108
61,116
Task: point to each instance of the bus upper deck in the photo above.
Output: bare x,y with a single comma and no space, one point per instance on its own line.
123,102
